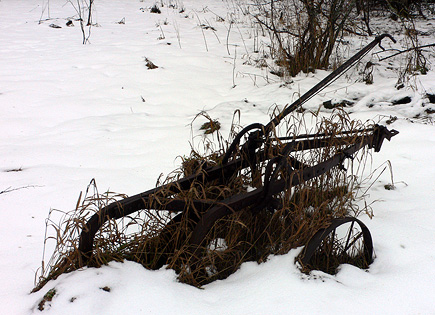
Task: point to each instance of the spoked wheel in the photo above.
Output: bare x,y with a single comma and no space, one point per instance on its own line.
344,241
212,260
224,246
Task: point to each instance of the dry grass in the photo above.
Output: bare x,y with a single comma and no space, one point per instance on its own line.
156,238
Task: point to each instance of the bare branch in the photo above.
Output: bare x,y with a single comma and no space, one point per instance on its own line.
10,189
407,50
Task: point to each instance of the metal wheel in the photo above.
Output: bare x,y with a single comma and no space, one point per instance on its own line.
344,241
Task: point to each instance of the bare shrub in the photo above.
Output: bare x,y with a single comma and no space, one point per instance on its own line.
303,32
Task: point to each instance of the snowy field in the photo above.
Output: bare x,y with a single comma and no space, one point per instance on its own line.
71,112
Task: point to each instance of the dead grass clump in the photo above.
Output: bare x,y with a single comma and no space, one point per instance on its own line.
149,64
211,126
48,297
155,237
63,230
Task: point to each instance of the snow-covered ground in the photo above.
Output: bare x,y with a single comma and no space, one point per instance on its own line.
71,112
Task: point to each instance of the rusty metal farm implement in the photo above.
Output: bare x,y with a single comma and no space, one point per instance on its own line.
272,163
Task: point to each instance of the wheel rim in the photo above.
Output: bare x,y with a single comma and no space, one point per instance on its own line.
344,241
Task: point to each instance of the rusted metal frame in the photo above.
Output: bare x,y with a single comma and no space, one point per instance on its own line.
132,204
242,201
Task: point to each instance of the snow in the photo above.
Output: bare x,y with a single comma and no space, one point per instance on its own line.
73,112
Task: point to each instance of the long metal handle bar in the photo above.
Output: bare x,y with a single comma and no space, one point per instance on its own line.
325,82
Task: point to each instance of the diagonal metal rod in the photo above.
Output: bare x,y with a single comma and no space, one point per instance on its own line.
326,81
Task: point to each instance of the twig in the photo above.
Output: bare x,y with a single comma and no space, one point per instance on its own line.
10,189
234,65
90,13
47,6
228,36
202,30
218,16
162,36
80,12
177,31
407,50
243,40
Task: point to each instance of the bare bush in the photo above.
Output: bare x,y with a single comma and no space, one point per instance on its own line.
303,32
